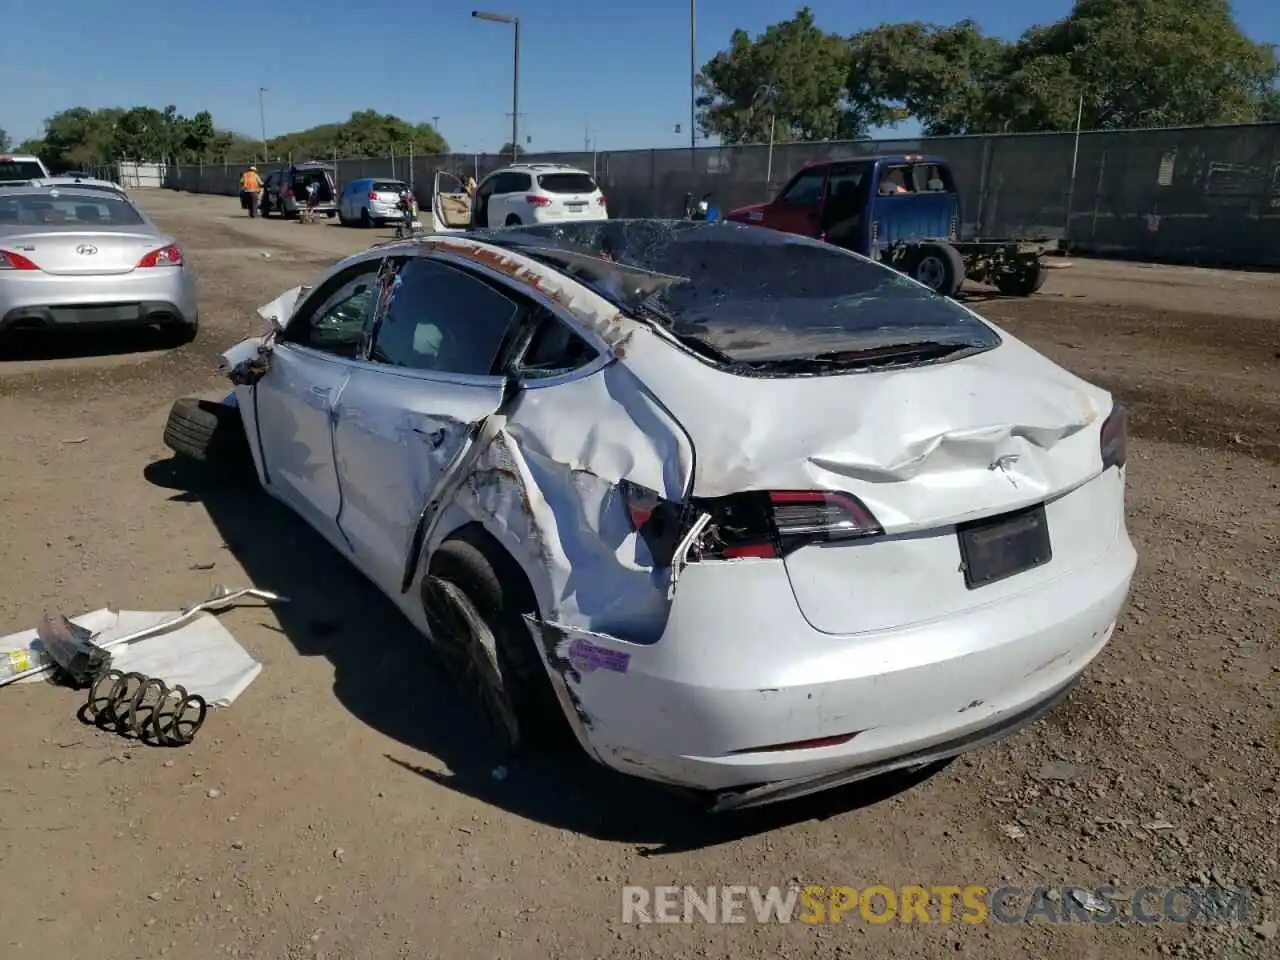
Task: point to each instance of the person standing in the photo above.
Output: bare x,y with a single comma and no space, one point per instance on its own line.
250,190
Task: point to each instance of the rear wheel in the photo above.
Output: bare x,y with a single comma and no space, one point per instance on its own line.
939,267
366,221
476,599
209,433
1022,281
513,220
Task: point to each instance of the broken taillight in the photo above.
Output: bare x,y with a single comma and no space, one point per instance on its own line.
758,524
1114,439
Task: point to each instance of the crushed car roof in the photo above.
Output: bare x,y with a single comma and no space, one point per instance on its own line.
746,294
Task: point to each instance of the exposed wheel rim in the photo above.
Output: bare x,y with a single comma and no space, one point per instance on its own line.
469,652
931,271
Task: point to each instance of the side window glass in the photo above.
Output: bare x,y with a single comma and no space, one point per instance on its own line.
337,314
440,318
555,348
806,189
521,182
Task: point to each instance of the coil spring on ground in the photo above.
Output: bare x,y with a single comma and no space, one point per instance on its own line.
135,705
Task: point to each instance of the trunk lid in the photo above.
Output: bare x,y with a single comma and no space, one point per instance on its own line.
80,252
924,449
568,195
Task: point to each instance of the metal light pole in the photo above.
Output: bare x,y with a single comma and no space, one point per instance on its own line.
693,83
1075,162
515,74
262,116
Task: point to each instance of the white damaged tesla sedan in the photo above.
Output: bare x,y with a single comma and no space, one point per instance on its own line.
748,513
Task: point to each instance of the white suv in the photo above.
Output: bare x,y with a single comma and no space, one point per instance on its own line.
525,193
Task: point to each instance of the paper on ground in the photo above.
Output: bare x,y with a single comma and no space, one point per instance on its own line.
202,656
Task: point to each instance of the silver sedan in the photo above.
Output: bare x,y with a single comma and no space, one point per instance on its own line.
72,257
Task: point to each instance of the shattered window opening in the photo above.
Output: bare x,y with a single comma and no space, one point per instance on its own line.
442,319
757,301
336,316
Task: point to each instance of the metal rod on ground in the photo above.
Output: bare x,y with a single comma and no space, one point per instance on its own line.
1075,161
393,162
410,165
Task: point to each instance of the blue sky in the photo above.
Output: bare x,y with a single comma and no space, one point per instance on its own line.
617,72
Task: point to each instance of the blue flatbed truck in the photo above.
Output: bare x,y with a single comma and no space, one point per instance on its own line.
903,210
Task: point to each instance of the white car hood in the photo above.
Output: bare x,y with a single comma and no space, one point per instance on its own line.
920,446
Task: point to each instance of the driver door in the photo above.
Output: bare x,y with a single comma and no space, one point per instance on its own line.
407,417
311,363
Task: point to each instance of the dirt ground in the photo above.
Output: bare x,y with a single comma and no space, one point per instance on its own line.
345,807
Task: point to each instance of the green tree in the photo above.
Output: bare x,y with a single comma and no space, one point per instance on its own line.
366,133
4,140
940,75
507,151
1136,63
789,79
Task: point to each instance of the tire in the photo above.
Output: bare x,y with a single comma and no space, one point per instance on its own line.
475,598
939,267
366,221
512,220
1022,281
331,214
209,433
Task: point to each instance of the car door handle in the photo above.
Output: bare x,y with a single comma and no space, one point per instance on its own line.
434,437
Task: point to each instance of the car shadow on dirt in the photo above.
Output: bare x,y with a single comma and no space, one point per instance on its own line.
385,675
30,345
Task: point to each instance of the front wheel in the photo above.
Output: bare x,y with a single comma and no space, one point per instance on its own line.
1022,281
209,433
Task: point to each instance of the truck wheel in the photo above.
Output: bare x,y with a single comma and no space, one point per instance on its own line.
1022,281
939,267
210,433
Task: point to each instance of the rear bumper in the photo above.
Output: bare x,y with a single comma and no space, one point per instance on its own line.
94,315
739,675
44,301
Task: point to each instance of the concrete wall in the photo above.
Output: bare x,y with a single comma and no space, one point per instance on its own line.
1208,195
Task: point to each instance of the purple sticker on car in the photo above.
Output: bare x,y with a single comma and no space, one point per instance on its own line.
586,657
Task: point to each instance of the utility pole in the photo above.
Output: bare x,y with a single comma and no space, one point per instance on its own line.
515,74
693,84
262,116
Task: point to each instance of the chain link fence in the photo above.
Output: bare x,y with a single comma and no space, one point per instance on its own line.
1202,195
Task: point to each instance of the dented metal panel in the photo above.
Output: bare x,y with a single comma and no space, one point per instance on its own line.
701,673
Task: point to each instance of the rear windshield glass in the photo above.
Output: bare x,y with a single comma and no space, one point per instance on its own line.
60,211
387,186
566,183
103,187
20,170
751,297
